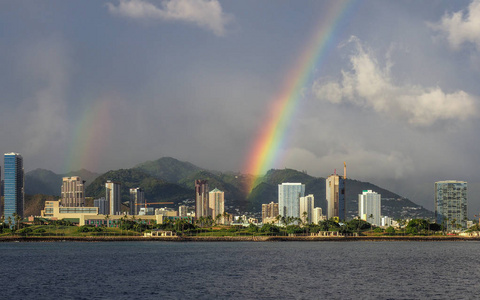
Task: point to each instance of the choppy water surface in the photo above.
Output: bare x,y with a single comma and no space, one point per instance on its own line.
240,270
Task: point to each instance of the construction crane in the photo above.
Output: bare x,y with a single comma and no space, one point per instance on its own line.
148,203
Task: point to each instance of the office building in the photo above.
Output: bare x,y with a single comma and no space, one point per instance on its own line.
335,194
451,204
269,212
14,200
137,198
306,209
216,203
73,192
289,199
201,198
369,207
102,205
114,197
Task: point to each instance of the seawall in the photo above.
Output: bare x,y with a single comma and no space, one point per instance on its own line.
233,238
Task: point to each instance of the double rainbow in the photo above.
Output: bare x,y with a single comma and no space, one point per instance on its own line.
270,140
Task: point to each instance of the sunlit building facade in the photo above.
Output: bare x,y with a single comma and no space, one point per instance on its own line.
137,198
216,203
114,197
451,204
306,208
289,199
369,207
73,192
201,198
335,194
269,212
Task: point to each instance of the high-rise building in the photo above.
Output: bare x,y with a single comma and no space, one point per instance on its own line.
289,199
216,199
14,200
306,208
335,193
102,205
269,212
182,211
114,197
451,204
369,207
137,197
318,215
201,198
73,192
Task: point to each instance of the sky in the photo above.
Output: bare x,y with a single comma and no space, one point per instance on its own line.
105,85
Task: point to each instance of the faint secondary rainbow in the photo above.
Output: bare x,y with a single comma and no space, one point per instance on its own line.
273,134
89,137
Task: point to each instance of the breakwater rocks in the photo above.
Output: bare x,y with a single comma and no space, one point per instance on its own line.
232,238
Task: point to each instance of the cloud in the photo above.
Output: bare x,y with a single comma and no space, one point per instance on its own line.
45,67
361,162
370,86
206,14
462,26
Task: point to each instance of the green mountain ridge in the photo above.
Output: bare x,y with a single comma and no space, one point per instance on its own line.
42,181
170,180
156,190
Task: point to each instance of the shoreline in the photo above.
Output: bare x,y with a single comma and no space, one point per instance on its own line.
235,239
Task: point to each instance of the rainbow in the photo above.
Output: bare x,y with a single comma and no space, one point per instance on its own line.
89,137
270,140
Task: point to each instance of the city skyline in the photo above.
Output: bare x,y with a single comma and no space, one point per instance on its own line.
394,94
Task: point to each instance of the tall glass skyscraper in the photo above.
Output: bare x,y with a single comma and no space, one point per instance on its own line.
13,185
451,204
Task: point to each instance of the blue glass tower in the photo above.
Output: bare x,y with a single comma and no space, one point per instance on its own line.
13,186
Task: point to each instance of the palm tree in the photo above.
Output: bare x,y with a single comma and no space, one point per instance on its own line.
278,217
107,217
453,222
305,219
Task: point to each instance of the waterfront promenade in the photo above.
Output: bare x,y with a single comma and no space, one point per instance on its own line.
232,238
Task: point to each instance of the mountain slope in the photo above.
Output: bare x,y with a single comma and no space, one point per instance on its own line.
168,169
42,181
393,205
156,190
168,179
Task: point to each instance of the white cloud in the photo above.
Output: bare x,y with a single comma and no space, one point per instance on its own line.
370,86
207,14
462,26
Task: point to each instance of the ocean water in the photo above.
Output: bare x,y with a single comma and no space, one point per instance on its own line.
240,270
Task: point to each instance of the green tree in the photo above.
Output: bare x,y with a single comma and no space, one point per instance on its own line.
107,217
390,230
